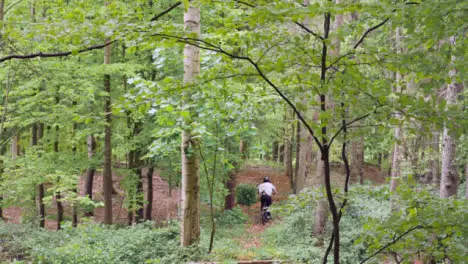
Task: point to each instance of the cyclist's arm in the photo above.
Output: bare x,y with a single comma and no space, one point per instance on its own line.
274,190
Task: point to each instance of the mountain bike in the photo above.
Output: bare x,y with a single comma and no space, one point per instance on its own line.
266,215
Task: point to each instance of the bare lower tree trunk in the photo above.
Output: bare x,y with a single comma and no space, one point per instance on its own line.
435,160
2,8
190,225
40,187
15,148
75,190
395,175
230,199
58,195
3,151
149,194
357,160
288,166
306,158
322,209
91,142
298,151
107,173
280,154
449,175
466,181
243,146
274,151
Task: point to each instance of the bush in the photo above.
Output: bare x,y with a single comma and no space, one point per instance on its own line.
95,243
232,217
246,194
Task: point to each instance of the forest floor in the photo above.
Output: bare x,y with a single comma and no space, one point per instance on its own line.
165,206
251,240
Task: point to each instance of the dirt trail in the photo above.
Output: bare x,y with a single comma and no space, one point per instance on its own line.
253,174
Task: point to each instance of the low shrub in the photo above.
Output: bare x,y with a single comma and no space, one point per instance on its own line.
232,217
94,243
246,194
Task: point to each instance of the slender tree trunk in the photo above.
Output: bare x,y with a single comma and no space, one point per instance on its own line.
3,151
395,174
15,147
58,195
288,162
466,181
91,142
107,174
75,190
357,160
435,160
274,150
243,146
298,151
190,225
449,175
40,188
2,8
281,154
230,199
149,194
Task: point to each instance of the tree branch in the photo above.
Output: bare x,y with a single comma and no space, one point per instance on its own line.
379,25
50,55
156,17
209,46
395,240
309,30
369,31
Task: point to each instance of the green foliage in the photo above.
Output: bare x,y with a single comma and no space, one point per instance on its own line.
246,194
92,243
369,223
235,216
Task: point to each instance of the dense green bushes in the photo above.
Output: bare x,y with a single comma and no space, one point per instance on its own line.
372,219
93,243
246,194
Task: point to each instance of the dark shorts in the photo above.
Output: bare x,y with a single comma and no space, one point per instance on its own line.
265,199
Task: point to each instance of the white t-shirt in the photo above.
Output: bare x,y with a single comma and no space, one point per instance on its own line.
266,187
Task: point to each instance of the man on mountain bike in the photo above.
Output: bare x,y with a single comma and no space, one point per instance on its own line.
266,190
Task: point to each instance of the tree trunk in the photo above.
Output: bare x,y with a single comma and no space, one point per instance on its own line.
230,199
280,154
40,187
298,151
3,151
274,151
466,181
75,190
149,194
2,8
190,225
58,195
107,173
395,174
306,159
449,175
357,160
435,160
139,216
243,146
288,166
15,147
91,142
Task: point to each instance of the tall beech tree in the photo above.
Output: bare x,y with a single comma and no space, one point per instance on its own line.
449,176
190,225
